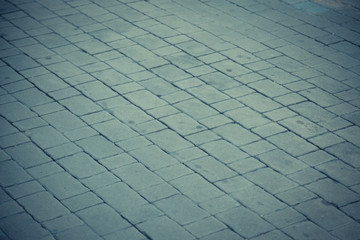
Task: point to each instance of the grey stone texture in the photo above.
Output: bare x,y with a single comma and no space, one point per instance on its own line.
173,119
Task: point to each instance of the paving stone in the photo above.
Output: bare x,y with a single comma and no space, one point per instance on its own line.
45,169
63,121
81,165
247,117
276,234
27,155
103,219
120,196
236,134
351,134
248,225
224,151
43,206
12,173
205,227
115,130
185,211
302,126
62,185
323,214
99,147
259,102
195,108
211,169
182,124
171,229
270,180
24,189
13,140
282,162
307,229
208,94
128,233
346,152
291,143
63,223
80,105
196,188
341,172
81,232
348,231
22,226
21,62
215,121
137,176
81,201
130,114
46,137
15,111
169,140
117,161
30,123
326,187
10,208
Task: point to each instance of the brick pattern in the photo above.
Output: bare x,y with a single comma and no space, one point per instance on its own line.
172,119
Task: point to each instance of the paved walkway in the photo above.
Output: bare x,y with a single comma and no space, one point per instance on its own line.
179,119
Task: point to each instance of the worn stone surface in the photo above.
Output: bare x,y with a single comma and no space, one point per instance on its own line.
172,119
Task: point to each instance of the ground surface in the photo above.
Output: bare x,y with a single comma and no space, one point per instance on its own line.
184,119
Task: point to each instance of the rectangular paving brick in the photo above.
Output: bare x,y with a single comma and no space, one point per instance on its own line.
55,183
196,188
248,225
323,214
99,147
43,206
28,155
171,229
326,187
137,176
210,168
181,209
270,180
120,196
169,140
12,173
103,219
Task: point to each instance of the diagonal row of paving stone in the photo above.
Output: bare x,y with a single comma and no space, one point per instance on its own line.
179,119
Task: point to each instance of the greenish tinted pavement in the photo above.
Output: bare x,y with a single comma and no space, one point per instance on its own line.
179,119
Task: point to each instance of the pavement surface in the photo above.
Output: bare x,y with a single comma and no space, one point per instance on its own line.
179,119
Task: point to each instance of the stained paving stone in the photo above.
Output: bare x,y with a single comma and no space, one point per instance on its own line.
211,169
326,187
323,214
245,115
